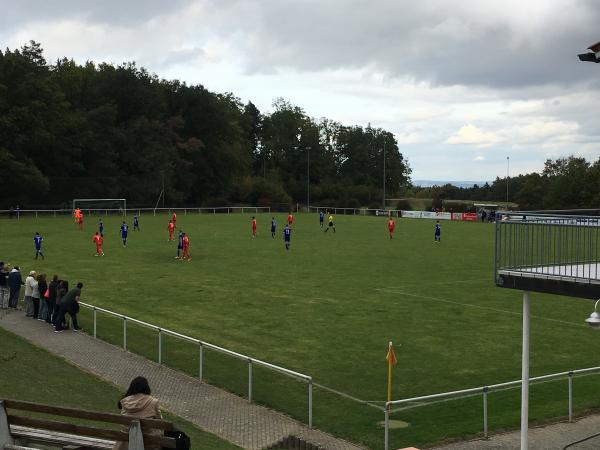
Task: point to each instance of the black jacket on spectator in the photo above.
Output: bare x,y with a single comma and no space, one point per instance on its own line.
53,288
14,280
3,279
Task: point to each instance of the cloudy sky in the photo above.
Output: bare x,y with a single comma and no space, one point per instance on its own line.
462,84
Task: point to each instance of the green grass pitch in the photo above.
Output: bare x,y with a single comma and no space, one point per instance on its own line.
327,308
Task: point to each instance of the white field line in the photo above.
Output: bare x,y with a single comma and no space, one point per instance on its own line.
470,305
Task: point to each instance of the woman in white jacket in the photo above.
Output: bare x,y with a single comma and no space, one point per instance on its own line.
30,284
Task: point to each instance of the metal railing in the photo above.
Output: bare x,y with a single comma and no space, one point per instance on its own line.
202,345
485,391
120,211
548,244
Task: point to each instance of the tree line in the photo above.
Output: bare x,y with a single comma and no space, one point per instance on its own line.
117,131
565,183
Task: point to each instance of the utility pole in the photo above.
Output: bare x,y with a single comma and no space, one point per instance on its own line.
507,167
163,187
308,179
384,171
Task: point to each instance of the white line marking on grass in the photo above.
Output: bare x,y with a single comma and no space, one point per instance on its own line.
478,280
442,300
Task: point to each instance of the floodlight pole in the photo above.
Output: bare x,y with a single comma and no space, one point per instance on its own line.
507,167
308,179
525,374
384,171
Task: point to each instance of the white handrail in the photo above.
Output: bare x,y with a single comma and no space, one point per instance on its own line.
226,351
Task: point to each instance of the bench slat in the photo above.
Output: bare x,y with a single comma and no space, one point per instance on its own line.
85,430
89,415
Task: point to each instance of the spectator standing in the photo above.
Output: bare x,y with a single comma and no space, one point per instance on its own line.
52,291
43,290
61,291
15,281
30,283
4,292
69,304
138,402
35,298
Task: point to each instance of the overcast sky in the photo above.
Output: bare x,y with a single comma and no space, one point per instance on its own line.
462,84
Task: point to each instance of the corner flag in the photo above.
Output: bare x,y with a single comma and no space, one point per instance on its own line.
391,359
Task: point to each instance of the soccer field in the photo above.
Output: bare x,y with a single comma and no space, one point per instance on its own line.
327,308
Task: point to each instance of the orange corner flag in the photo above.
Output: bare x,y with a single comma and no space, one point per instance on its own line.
391,356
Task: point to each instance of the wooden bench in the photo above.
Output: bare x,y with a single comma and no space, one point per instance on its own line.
19,431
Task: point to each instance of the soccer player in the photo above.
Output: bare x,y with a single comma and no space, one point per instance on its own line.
331,225
101,227
253,227
76,214
174,218
438,231
124,231
80,221
179,244
287,236
290,219
186,248
321,218
171,228
37,240
273,227
136,222
391,227
98,239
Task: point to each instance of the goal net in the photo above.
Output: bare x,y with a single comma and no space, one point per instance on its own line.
101,205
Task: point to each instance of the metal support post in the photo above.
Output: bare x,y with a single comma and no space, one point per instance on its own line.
250,381
310,392
570,396
159,346
485,412
94,316
525,374
200,361
124,333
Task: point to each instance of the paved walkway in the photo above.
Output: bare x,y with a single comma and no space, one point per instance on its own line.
550,437
219,412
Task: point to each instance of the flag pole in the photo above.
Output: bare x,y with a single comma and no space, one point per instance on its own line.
391,359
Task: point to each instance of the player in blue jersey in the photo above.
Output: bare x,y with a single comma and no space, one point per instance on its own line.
321,218
273,227
287,236
180,244
101,228
438,231
37,241
136,223
124,231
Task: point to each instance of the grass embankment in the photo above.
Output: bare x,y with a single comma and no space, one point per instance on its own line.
31,374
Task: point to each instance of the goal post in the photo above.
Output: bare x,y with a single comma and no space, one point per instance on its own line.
105,204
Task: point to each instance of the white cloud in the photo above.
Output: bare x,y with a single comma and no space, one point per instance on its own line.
471,135
479,158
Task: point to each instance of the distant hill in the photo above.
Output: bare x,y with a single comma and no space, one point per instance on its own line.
461,184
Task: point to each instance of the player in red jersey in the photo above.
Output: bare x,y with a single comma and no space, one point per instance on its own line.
290,219
174,218
98,240
80,221
171,228
253,226
186,248
391,227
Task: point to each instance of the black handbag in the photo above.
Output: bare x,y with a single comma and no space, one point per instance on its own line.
182,440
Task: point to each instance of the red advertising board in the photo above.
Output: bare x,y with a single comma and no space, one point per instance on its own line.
471,217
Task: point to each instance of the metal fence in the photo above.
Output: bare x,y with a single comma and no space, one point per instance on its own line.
548,244
201,345
484,391
21,213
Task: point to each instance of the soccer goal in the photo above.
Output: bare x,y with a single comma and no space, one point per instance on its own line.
105,205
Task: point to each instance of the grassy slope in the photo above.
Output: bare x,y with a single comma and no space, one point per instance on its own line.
326,308
32,374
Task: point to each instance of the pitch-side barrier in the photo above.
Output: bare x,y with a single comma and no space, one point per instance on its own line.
484,392
17,214
201,346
